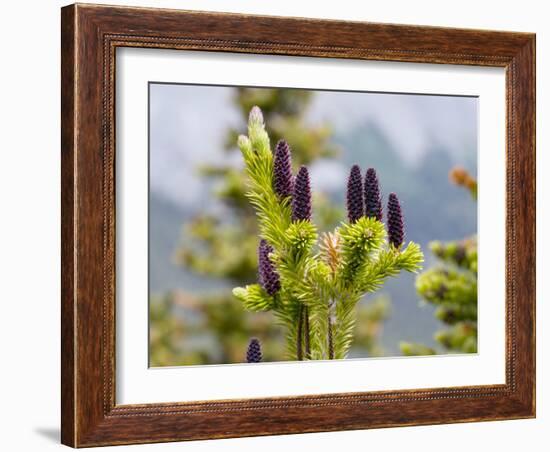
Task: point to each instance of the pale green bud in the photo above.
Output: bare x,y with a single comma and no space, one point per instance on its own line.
244,143
255,117
256,131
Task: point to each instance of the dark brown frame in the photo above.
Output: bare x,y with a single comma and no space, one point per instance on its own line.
90,35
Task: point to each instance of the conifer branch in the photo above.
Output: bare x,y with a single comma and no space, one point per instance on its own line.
307,344
330,337
315,295
299,335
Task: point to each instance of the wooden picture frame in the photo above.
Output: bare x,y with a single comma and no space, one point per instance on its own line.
90,36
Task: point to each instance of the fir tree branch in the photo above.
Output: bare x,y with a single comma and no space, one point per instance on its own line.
318,294
441,286
345,323
254,298
359,241
306,333
388,263
299,334
330,337
273,214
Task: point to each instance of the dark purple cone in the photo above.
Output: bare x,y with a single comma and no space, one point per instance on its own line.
268,277
282,170
355,195
301,202
396,229
373,200
254,351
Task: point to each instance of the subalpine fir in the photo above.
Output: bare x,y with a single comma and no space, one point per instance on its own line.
313,283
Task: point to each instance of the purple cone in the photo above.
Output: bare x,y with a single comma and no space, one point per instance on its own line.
282,170
355,195
373,200
268,277
254,351
396,229
301,201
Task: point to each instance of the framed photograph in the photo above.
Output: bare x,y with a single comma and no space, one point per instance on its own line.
282,225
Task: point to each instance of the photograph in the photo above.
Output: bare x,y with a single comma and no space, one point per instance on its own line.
297,224
290,224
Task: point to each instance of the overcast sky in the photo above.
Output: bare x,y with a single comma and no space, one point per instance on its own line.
188,124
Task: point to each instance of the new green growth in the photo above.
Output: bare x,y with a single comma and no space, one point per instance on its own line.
313,283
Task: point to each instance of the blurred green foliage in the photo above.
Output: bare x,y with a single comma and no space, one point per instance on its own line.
369,326
451,286
221,329
217,332
216,328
